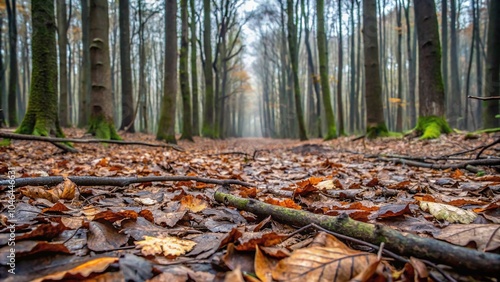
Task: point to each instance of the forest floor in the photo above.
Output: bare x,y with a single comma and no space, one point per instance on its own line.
178,231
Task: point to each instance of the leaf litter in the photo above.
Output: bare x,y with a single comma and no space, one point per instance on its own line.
176,231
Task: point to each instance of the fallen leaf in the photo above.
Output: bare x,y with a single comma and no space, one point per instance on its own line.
167,246
447,212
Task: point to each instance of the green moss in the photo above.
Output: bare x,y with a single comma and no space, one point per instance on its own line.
209,132
166,137
379,130
395,134
5,142
103,128
487,130
331,134
431,127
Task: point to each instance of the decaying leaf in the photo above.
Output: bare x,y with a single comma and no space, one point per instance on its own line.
167,246
447,212
486,237
84,270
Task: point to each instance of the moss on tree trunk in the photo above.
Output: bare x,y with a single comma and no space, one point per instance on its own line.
41,117
101,122
430,127
377,130
103,128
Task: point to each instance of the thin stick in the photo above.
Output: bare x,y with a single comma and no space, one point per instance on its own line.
53,139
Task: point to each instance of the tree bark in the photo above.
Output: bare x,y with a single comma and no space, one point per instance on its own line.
492,83
410,46
2,78
194,72
13,70
125,67
432,100
62,27
208,129
399,53
455,90
101,122
375,112
294,54
184,76
42,115
166,126
85,79
444,40
340,105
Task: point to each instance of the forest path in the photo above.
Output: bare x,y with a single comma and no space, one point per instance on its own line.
335,177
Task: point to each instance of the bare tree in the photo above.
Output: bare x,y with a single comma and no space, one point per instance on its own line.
42,117
375,111
166,126
125,67
431,121
101,122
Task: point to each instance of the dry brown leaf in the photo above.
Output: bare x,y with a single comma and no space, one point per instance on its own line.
193,204
486,237
167,246
84,270
36,192
322,264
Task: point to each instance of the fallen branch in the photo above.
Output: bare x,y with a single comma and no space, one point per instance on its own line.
53,139
404,244
115,181
486,162
486,147
484,98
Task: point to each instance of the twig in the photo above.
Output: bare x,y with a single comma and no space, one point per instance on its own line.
487,162
486,147
484,98
117,181
53,139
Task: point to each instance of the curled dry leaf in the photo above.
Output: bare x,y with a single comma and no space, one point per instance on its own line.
97,265
447,212
167,246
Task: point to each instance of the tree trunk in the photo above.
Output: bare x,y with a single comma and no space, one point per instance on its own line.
399,113
313,77
432,100
126,69
42,116
353,106
375,110
411,66
479,61
62,27
492,83
85,80
444,40
166,126
2,78
294,54
101,122
340,105
455,92
194,72
13,70
208,129
184,76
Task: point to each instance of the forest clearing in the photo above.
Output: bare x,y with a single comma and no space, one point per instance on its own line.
238,140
